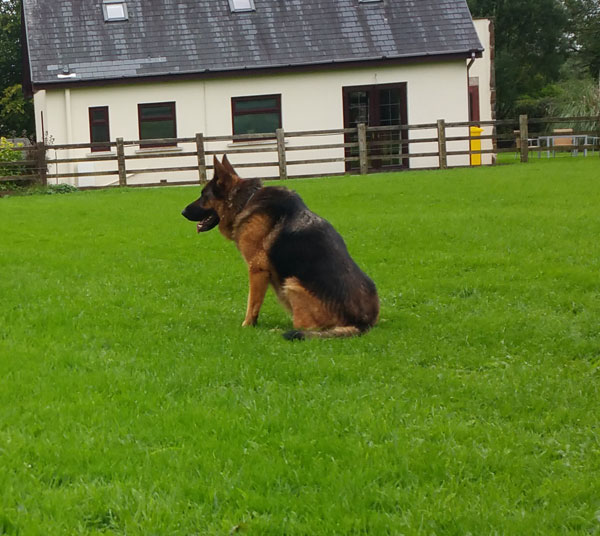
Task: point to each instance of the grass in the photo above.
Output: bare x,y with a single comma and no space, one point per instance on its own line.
132,402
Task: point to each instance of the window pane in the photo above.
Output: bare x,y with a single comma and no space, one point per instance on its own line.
359,98
99,114
242,4
359,107
100,133
389,109
157,129
255,104
115,11
256,123
156,111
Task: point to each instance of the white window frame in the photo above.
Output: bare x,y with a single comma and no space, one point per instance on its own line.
236,9
105,10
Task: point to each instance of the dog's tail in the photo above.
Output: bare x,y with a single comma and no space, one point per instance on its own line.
337,332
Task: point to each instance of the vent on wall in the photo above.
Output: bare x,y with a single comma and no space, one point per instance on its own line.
114,10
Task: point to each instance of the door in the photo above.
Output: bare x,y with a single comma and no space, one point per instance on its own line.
379,105
474,114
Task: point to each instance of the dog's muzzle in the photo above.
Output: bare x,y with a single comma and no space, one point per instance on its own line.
206,219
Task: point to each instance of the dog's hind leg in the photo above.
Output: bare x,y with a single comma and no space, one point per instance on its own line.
308,311
312,318
259,282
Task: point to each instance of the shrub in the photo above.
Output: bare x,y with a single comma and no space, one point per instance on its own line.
8,154
60,189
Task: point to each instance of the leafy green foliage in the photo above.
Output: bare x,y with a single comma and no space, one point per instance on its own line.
132,402
7,155
584,34
16,112
10,43
577,97
52,189
31,188
530,49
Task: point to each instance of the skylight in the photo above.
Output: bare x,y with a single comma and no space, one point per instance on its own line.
241,5
114,10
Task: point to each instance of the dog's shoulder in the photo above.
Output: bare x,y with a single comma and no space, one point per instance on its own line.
278,202
273,203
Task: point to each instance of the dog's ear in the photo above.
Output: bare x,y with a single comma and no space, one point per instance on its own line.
228,165
222,175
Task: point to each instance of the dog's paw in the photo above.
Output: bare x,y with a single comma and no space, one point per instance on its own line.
294,335
247,323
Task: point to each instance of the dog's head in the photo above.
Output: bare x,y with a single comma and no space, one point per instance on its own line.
205,210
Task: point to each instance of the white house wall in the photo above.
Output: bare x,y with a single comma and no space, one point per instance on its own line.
309,101
482,70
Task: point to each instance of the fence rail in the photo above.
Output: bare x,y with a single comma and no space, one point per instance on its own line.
360,150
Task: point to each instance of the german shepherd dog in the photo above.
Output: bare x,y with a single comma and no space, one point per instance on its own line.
298,253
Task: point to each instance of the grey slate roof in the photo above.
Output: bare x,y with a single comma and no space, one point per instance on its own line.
169,37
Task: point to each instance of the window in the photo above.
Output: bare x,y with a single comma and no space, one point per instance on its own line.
99,131
256,115
378,106
114,10
157,122
241,5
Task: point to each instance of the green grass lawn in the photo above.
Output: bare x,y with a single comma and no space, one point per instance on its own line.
132,402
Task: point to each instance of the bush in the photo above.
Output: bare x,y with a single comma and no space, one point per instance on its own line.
577,97
60,189
31,188
8,154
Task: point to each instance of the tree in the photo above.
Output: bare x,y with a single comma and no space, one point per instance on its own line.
577,97
16,112
531,47
584,35
10,43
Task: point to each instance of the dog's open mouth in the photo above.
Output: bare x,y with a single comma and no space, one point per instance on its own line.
206,224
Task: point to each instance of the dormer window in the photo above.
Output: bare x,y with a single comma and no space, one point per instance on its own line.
241,5
114,10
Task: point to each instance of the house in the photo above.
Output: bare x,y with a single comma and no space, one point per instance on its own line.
147,69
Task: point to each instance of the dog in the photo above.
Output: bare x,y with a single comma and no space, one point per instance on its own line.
287,246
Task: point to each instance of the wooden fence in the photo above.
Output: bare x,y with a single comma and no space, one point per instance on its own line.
358,150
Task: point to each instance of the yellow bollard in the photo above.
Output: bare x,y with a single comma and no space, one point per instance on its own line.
475,145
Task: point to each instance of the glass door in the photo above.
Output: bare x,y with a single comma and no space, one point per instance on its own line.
379,105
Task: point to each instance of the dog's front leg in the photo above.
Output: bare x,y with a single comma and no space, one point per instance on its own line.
259,282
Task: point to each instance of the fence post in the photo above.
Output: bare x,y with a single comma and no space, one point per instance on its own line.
363,151
121,162
201,157
42,167
281,153
443,154
524,133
